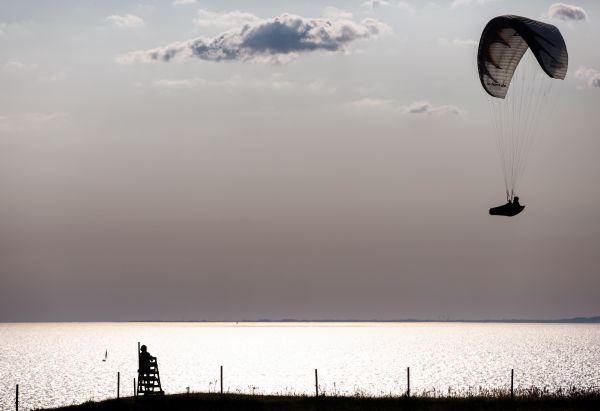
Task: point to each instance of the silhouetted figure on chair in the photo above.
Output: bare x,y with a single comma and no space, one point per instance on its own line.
144,360
148,375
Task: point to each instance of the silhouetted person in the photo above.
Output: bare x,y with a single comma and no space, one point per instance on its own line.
148,376
145,358
510,209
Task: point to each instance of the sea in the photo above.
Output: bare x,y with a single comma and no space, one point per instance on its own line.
58,364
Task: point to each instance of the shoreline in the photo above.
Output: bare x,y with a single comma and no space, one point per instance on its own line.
235,402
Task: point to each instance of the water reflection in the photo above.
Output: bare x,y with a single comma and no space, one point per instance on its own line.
58,364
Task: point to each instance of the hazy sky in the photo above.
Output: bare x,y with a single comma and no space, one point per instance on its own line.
160,161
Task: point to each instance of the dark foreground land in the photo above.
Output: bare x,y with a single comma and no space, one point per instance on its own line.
236,402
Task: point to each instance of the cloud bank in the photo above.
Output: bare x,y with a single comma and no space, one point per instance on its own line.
566,12
277,39
374,4
278,82
125,21
425,107
589,75
335,13
456,42
13,28
418,107
181,83
460,3
20,66
223,20
32,121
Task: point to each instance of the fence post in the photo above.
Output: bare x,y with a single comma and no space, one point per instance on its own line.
118,383
17,398
316,383
512,381
221,380
408,382
134,388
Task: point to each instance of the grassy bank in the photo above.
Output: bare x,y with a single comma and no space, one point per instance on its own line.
237,402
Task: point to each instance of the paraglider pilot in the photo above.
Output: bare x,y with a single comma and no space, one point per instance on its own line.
510,209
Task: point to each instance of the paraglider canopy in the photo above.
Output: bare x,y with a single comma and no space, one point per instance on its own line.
503,42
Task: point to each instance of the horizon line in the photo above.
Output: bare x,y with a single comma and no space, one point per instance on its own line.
574,320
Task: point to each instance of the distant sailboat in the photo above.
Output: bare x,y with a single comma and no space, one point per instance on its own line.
105,356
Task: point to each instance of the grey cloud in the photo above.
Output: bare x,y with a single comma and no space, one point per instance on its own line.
418,107
223,20
126,21
566,12
335,13
425,107
589,75
32,121
456,42
461,3
19,28
272,40
277,82
20,66
373,4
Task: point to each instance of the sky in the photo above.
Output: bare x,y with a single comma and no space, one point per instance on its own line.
190,160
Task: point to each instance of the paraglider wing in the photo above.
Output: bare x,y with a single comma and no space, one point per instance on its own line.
503,42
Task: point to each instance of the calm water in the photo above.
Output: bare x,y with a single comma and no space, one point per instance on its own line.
58,364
